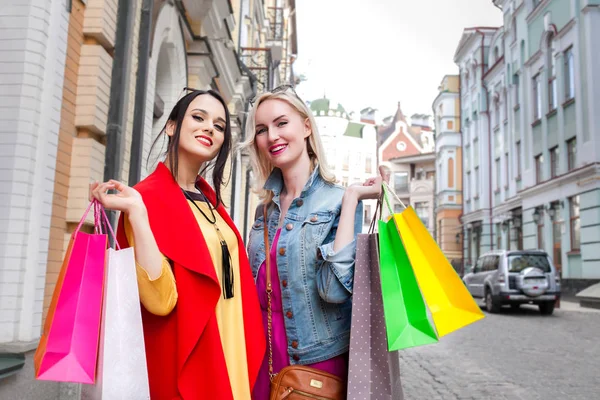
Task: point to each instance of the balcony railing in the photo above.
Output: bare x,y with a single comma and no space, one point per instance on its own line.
276,23
258,60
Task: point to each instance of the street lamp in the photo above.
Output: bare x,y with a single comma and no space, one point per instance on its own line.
551,212
537,216
517,222
505,225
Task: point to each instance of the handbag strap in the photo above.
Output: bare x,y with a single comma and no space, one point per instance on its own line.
269,292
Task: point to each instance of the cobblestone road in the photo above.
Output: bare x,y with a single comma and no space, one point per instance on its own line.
517,354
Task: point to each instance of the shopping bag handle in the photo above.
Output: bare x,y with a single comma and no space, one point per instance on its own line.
98,213
85,214
378,207
386,191
105,221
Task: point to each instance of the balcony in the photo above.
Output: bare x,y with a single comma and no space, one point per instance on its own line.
260,63
276,24
421,186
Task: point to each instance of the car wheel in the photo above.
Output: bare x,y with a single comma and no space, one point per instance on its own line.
547,308
490,305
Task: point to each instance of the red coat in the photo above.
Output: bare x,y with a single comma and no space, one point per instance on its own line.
183,349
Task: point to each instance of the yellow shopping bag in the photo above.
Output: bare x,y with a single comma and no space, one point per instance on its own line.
450,303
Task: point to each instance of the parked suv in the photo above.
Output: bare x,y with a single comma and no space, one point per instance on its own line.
515,277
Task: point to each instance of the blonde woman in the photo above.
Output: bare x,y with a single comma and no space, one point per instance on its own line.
312,224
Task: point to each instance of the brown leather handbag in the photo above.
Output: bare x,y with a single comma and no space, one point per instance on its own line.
296,382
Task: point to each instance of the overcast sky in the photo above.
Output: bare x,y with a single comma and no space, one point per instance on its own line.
375,53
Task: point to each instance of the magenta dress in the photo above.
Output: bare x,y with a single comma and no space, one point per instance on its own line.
337,365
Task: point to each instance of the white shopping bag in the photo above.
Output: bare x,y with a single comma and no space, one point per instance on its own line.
122,373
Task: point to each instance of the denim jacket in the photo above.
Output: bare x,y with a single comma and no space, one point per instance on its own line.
316,281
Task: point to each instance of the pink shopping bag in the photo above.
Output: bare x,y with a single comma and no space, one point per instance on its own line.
68,348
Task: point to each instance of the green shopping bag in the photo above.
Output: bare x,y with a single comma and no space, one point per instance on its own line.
405,312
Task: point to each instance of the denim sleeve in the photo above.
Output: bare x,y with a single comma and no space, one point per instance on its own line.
335,273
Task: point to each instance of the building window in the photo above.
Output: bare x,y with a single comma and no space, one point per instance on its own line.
401,182
518,151
539,165
540,234
552,92
554,162
572,153
477,181
516,87
451,173
537,97
368,165
450,125
422,210
468,186
498,173
498,236
575,223
506,169
569,68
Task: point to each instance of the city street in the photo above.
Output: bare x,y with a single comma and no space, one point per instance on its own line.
517,354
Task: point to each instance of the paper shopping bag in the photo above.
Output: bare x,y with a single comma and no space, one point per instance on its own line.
406,318
122,371
374,373
450,303
68,347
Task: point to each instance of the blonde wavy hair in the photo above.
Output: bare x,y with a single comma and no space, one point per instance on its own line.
261,166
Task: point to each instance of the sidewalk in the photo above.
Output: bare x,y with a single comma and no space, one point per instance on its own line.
566,305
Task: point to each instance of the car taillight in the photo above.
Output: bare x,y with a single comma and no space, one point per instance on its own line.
501,279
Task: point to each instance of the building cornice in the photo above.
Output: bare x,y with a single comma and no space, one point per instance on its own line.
581,175
473,35
507,205
441,95
494,69
537,10
414,159
536,56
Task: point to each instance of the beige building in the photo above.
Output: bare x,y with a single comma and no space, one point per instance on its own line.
448,188
86,88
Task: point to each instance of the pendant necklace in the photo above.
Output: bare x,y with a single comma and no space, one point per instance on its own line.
225,255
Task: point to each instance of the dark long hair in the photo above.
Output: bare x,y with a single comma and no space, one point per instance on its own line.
172,152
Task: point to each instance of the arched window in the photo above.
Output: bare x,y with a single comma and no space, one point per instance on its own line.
451,173
496,54
523,52
551,68
513,28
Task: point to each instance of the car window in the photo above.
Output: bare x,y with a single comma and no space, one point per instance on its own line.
485,263
493,263
480,264
518,262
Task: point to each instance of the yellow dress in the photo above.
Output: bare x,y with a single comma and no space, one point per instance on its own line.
159,296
